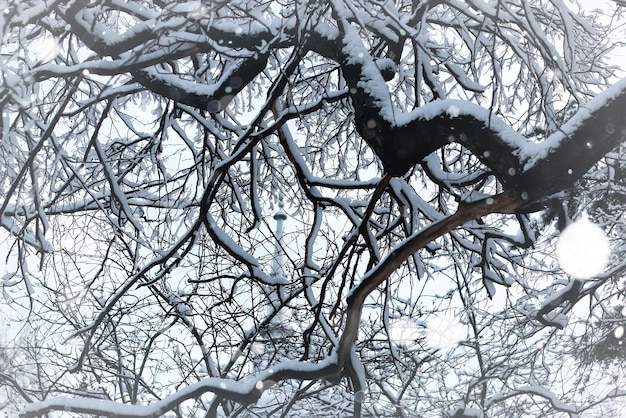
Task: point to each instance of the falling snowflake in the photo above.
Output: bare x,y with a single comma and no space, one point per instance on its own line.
257,348
454,111
359,396
583,250
403,332
72,344
444,332
197,11
48,50
263,385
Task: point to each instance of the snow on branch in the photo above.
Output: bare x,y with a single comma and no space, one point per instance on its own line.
536,391
530,170
214,97
377,275
225,241
244,392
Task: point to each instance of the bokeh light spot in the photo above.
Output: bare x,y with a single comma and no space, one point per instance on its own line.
48,50
583,250
444,332
403,332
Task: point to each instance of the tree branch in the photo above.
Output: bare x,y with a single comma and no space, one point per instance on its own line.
498,204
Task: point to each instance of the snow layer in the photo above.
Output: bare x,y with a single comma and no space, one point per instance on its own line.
111,408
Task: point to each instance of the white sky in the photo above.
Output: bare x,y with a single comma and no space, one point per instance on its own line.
620,59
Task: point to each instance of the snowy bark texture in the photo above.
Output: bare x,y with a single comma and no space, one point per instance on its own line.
428,153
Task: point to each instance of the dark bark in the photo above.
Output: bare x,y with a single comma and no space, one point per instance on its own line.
401,147
398,147
604,130
226,88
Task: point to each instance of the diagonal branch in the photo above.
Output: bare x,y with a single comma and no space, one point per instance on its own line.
502,203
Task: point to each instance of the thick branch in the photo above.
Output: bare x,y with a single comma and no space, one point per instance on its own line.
213,98
245,393
531,171
498,204
84,25
564,157
242,392
535,391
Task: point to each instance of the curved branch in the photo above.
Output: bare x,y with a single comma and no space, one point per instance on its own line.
242,392
538,391
213,98
373,278
245,393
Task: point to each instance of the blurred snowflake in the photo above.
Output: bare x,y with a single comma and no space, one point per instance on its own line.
444,332
583,250
403,332
48,50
